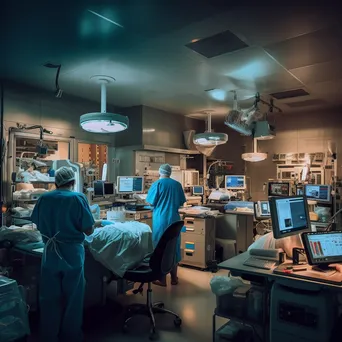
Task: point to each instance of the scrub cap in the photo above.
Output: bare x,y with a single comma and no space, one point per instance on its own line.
165,170
64,175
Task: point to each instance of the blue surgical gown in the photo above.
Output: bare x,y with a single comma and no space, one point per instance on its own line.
166,196
65,215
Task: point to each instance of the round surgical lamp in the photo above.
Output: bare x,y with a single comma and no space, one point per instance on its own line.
254,156
209,138
103,122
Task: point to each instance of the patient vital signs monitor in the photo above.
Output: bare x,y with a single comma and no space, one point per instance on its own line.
130,185
234,182
262,210
289,215
319,193
323,248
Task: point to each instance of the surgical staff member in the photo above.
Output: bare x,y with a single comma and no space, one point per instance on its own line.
62,217
166,196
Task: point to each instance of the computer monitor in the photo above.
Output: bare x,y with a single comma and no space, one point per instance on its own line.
290,216
98,189
198,190
130,185
323,248
278,189
235,182
103,189
319,193
262,210
108,189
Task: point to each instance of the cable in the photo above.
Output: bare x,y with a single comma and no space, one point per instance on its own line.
331,221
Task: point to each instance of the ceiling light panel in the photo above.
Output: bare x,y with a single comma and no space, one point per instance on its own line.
313,102
218,44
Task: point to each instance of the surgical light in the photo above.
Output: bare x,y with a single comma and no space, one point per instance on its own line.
254,156
103,122
209,138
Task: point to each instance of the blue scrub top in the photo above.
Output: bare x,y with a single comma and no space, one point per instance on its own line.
65,212
166,196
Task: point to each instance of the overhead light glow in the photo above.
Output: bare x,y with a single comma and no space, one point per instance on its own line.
254,157
217,94
249,71
148,130
105,18
195,40
103,122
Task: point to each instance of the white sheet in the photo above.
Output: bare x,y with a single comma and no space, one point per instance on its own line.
121,246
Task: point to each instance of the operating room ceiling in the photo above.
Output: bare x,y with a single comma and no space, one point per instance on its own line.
184,58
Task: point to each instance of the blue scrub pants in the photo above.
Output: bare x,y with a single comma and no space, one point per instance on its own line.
62,288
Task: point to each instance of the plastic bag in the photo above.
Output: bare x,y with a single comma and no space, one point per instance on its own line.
20,234
323,214
95,210
224,285
13,312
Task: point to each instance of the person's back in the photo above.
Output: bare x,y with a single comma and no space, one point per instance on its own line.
62,217
60,212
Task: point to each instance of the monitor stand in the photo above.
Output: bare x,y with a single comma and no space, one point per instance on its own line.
324,268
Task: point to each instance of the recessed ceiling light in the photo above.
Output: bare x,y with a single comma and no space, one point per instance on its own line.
105,18
195,40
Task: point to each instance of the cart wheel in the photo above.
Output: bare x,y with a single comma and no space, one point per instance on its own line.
161,305
177,322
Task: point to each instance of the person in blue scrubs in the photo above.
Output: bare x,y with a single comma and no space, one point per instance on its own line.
63,217
166,196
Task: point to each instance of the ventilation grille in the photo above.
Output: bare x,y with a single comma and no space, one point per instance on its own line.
217,45
289,94
306,103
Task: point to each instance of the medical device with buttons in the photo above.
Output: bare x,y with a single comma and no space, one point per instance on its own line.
262,210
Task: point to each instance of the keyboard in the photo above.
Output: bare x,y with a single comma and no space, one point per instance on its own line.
260,263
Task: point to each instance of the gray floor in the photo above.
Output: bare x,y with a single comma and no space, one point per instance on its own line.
191,299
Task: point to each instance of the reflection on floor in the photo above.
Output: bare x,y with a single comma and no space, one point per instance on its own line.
191,299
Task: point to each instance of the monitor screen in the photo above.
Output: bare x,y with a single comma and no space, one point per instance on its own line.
108,188
128,185
278,189
262,210
98,189
319,193
198,190
289,215
323,247
235,182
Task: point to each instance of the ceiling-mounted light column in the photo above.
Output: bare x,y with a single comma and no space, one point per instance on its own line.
103,122
255,156
209,138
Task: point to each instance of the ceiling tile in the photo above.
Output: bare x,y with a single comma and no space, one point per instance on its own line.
264,25
319,72
317,47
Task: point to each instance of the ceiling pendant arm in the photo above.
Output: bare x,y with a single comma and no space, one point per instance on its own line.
209,123
103,98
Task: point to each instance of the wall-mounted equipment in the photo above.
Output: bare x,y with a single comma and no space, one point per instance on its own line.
103,122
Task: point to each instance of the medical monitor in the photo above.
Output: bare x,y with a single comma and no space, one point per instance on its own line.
262,210
108,189
198,190
278,189
319,193
98,189
234,182
130,185
290,216
323,248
